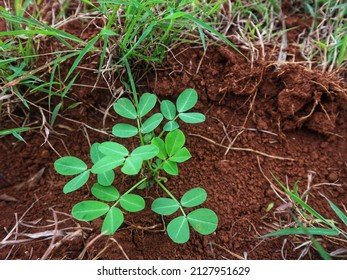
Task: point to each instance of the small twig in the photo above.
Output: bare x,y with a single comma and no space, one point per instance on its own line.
52,245
81,255
120,247
228,251
241,149
276,190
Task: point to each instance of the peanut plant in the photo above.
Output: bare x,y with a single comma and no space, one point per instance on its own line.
160,151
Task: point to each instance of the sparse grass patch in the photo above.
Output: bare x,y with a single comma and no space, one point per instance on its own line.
310,223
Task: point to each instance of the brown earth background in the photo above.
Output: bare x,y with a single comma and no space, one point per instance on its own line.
263,118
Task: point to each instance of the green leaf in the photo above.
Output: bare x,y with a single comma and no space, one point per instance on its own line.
146,103
113,220
113,149
123,130
125,108
95,154
82,53
170,167
152,123
132,202
157,141
89,210
203,220
168,109
107,163
145,152
106,193
192,117
107,32
178,230
174,141
338,212
69,165
181,155
18,136
106,178
186,100
55,113
164,206
170,126
14,130
76,182
194,197
303,231
132,165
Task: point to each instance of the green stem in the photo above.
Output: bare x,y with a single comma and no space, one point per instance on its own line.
132,83
171,195
130,190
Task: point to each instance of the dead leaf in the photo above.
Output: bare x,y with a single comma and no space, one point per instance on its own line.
31,181
8,198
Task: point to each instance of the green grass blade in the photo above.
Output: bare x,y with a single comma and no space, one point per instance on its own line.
301,231
303,204
68,86
205,26
342,53
81,55
14,130
143,36
338,212
55,113
202,37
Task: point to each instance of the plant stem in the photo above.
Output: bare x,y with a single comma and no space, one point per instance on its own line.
171,195
130,190
132,83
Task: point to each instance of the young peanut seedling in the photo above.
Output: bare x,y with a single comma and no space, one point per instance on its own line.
157,154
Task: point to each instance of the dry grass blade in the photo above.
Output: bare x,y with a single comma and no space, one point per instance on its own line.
241,149
31,181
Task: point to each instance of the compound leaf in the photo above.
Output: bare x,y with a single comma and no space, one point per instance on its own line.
106,193
157,141
132,202
152,123
203,220
146,103
170,126
113,149
192,117
193,197
170,167
164,206
181,155
89,210
186,100
132,165
113,220
124,130
174,141
76,182
168,109
107,163
178,230
125,108
69,165
146,152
